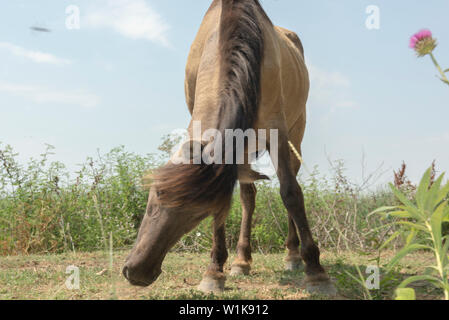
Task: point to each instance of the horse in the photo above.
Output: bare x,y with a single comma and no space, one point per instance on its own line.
242,73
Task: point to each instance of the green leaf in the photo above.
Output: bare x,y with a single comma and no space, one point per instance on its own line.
386,208
413,225
432,197
409,206
391,238
411,236
403,252
412,279
421,193
444,251
436,223
382,210
434,269
442,194
399,214
359,281
446,71
405,294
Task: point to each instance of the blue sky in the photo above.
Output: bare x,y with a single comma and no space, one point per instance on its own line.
118,80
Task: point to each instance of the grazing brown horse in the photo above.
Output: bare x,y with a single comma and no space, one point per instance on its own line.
242,73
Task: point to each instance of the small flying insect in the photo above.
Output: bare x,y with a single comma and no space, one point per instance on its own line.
40,29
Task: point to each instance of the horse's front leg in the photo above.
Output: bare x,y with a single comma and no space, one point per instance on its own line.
214,277
242,264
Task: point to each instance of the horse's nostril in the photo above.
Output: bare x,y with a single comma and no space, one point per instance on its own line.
125,272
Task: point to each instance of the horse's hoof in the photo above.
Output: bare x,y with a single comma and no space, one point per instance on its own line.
240,270
209,285
326,288
294,265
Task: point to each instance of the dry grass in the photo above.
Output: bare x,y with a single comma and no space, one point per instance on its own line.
43,277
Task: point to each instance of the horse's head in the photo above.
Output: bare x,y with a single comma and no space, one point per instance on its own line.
182,196
161,228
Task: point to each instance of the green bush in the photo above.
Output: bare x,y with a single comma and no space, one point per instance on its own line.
44,208
422,219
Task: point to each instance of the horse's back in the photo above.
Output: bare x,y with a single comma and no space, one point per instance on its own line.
285,79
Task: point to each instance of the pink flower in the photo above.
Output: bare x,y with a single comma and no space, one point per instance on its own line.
423,42
421,35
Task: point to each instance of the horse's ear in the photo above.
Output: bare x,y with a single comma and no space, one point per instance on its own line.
248,175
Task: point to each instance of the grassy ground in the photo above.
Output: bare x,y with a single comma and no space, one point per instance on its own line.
43,277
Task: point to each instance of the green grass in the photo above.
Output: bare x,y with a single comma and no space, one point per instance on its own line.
43,277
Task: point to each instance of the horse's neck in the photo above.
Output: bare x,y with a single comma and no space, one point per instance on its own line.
207,95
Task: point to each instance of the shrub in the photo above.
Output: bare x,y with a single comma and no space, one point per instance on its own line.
44,208
422,219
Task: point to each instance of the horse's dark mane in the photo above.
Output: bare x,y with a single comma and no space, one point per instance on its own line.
241,56
241,48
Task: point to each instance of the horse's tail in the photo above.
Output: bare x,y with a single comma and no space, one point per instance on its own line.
241,48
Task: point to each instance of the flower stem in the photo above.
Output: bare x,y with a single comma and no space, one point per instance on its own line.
440,70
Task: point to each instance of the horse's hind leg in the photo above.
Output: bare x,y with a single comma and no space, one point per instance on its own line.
242,264
293,261
317,279
214,277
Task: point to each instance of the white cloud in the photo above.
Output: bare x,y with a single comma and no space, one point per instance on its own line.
322,78
442,138
134,19
45,95
35,56
330,89
346,104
